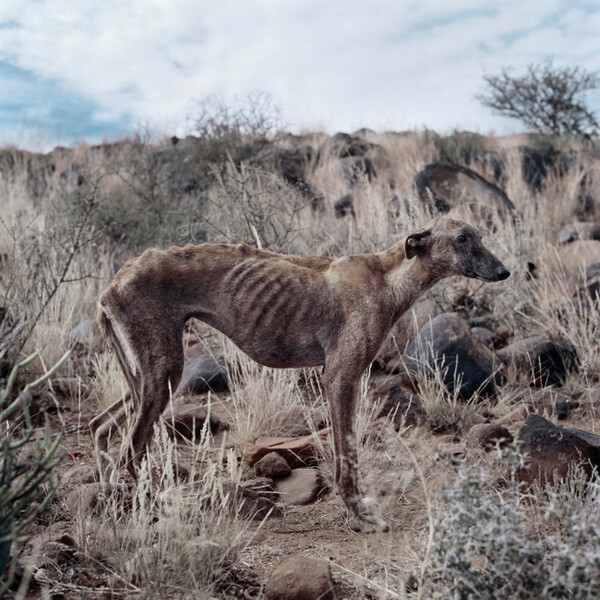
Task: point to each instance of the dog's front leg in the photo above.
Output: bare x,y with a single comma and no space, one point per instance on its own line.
341,386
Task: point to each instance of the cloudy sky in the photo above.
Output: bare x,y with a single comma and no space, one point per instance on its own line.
97,69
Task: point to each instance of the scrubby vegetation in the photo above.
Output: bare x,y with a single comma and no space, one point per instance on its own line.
461,526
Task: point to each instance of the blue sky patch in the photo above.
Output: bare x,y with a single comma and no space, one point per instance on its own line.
30,102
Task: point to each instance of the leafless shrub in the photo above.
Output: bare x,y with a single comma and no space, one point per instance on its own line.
548,99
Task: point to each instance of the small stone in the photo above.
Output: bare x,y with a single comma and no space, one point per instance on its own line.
300,578
272,465
251,504
78,475
297,450
93,497
303,486
490,435
187,421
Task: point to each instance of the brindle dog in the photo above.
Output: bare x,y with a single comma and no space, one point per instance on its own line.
283,311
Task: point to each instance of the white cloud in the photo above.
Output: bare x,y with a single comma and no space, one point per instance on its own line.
383,64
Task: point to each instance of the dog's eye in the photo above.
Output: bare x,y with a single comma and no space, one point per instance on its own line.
461,238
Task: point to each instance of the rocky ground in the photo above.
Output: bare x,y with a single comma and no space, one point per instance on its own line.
238,500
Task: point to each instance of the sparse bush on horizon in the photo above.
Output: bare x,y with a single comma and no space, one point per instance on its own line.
548,99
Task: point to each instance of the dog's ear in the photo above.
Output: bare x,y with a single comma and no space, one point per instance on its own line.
417,243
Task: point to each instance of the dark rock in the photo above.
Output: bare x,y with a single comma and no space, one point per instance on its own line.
300,578
490,435
592,271
344,206
188,420
404,331
344,145
486,336
303,486
272,465
592,439
553,453
204,373
403,407
251,504
546,360
562,409
292,165
354,169
442,186
537,163
579,231
447,344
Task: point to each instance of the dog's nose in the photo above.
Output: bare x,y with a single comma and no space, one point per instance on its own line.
502,273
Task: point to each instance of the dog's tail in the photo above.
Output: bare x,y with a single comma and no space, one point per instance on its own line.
107,329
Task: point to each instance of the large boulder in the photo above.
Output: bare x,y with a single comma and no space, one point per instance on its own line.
204,373
544,359
553,453
447,344
538,163
443,186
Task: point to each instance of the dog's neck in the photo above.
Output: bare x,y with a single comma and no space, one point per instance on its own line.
407,278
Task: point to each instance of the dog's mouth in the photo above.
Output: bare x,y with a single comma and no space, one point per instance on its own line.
500,274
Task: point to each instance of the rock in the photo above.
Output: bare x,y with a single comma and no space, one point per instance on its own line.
447,344
593,271
579,231
537,163
78,475
486,336
547,361
187,421
572,259
296,450
204,373
261,485
516,415
303,486
553,453
490,435
562,409
344,206
403,407
272,465
93,498
291,164
86,332
52,548
404,331
300,578
592,439
443,186
248,503
297,420
354,169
